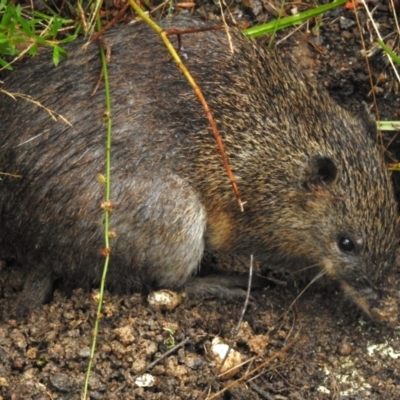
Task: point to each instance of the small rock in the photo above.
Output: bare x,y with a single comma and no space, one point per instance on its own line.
31,353
258,343
145,380
84,352
126,334
164,299
232,363
18,338
3,381
61,382
138,365
345,23
344,349
193,361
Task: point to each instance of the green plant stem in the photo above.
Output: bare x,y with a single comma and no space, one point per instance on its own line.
286,22
389,51
106,219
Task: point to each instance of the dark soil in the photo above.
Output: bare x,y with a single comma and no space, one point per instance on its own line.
317,349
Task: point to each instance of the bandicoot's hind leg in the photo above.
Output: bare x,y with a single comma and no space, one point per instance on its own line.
160,238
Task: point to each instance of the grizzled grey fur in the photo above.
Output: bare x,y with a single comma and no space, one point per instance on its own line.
316,187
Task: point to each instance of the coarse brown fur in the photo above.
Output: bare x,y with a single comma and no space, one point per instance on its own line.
309,172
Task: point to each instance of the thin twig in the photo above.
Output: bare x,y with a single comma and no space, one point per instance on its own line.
236,331
166,354
164,37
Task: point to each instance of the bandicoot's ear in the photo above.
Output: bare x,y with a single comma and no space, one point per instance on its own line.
320,170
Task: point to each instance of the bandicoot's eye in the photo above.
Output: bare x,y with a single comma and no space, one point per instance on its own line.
345,244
